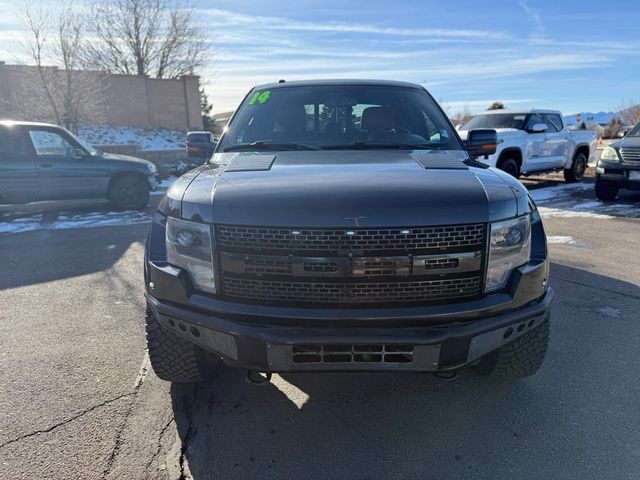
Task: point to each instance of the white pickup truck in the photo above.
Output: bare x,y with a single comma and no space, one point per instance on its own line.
535,141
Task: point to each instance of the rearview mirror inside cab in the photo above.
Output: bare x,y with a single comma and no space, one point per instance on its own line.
481,142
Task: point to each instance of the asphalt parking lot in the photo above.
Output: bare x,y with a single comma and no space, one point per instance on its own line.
78,400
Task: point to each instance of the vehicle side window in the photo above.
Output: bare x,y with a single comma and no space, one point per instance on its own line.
550,123
533,119
11,143
555,120
48,143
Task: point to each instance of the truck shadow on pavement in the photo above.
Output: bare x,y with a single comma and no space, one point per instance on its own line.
381,426
45,256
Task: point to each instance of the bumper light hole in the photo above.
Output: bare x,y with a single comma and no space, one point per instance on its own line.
508,332
195,332
182,327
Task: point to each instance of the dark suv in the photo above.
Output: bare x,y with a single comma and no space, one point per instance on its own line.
46,162
343,225
619,166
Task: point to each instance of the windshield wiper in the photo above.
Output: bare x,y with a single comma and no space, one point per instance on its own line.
268,145
372,146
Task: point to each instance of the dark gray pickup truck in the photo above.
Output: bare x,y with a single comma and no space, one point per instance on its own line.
45,162
343,225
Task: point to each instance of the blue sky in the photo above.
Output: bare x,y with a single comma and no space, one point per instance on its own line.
570,55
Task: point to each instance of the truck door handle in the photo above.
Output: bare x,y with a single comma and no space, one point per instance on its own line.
45,165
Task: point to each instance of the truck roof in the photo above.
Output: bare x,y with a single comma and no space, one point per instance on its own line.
10,123
334,81
520,111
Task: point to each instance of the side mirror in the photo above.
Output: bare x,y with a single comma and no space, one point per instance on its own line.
79,153
481,142
539,128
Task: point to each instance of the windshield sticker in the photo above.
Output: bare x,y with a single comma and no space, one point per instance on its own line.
260,97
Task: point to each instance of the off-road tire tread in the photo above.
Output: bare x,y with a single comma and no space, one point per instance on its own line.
524,356
518,359
172,358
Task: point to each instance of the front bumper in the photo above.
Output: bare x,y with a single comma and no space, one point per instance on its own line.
621,173
277,339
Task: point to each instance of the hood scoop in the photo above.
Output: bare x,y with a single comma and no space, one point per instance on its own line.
252,162
439,161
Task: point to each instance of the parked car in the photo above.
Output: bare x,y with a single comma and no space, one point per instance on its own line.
343,225
536,141
200,144
619,166
39,162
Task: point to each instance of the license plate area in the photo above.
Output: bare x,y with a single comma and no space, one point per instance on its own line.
634,175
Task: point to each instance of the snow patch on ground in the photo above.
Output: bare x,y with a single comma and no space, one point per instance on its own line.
145,138
609,312
66,221
560,240
566,240
560,202
20,225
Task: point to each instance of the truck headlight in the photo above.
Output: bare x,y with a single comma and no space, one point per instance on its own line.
610,155
189,246
510,247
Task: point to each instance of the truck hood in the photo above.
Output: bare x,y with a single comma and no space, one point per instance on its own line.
376,188
627,142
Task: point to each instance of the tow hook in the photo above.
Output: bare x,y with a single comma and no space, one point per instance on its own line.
447,376
257,378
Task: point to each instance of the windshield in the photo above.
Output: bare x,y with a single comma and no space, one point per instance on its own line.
635,132
496,120
339,117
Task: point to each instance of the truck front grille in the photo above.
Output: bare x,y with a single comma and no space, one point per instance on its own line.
346,292
630,154
234,237
341,266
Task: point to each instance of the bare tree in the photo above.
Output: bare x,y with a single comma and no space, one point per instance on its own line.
463,116
629,112
36,25
72,95
157,38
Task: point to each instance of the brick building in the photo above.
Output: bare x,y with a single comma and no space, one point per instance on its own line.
124,100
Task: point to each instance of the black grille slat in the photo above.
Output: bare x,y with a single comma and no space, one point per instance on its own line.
242,238
351,292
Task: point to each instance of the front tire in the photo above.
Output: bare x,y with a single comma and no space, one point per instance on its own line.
510,166
129,192
606,190
174,359
578,167
518,359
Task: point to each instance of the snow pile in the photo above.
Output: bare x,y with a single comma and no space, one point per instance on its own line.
145,138
66,221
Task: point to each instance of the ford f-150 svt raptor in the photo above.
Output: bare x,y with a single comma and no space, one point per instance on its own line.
343,225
